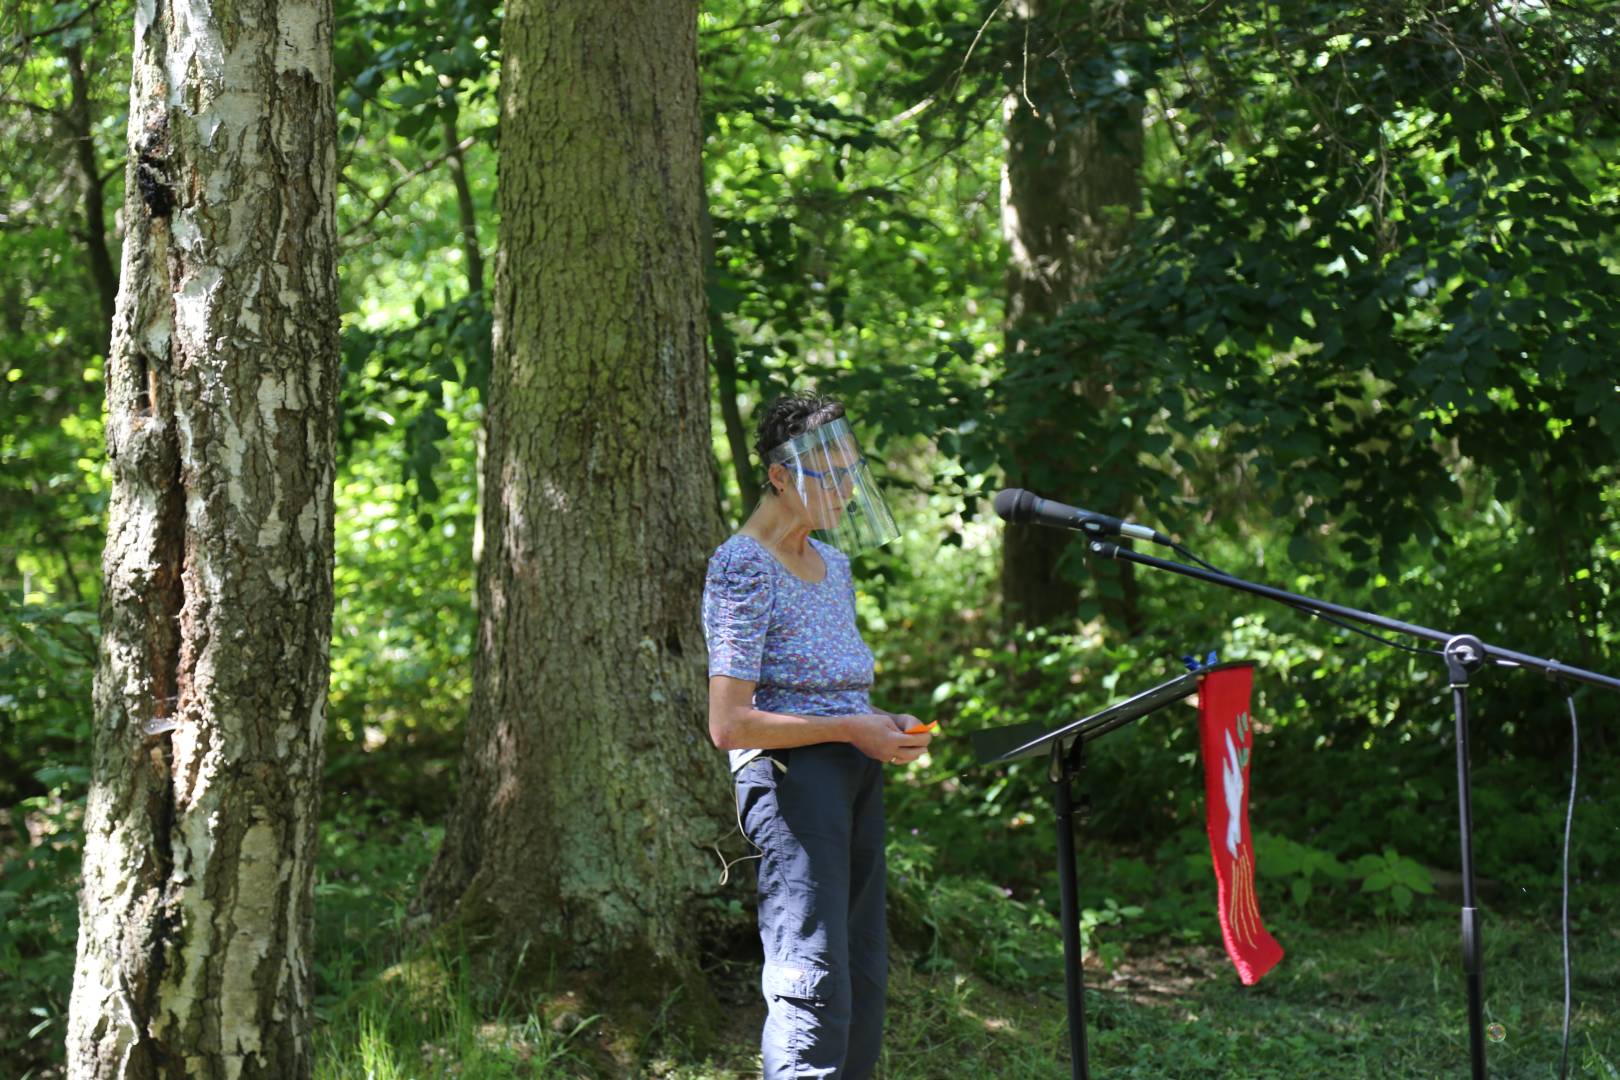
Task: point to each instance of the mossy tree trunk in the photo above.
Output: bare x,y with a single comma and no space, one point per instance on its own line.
588,788
210,693
1071,180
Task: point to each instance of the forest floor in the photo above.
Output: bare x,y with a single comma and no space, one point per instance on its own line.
1375,998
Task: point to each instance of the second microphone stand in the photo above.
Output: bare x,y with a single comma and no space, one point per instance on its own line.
1064,749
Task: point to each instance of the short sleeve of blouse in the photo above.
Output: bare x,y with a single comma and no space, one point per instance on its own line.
736,610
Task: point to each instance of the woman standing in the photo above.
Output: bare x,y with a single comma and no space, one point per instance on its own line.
789,685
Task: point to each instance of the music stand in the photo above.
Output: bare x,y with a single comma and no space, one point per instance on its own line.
1065,760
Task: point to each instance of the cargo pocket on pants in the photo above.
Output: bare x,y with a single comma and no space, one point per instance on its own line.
802,979
798,992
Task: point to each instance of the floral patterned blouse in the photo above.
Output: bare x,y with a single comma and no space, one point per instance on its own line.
796,640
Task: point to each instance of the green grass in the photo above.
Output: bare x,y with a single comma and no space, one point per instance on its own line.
1375,1000
1381,998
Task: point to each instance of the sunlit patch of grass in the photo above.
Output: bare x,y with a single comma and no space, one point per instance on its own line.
956,1021
424,1017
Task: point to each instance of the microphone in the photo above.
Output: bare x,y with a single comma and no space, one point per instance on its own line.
1019,507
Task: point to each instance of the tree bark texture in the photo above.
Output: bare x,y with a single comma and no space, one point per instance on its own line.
1071,179
210,692
589,791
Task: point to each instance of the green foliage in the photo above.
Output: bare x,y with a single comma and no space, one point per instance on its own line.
401,376
39,914
62,181
845,251
390,1008
1301,866
403,618
1392,880
370,856
951,921
46,657
416,65
47,653
1366,290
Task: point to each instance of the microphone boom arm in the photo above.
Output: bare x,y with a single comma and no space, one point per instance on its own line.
1505,657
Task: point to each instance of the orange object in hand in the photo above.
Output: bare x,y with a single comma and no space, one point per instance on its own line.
922,729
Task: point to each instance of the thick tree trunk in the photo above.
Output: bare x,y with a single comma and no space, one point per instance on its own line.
588,788
210,694
1070,181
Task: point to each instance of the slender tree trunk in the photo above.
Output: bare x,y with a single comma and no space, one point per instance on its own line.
1070,181
725,369
465,208
468,213
77,121
724,347
210,693
588,789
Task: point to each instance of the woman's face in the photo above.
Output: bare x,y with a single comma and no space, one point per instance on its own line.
824,477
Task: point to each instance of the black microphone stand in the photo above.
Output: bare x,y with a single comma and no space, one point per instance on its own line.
1464,654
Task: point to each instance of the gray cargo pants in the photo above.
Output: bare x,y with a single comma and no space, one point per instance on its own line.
819,825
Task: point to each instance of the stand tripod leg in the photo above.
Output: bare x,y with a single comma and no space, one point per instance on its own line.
1462,653
1062,776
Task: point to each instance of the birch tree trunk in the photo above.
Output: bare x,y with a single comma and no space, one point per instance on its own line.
588,789
1072,178
210,692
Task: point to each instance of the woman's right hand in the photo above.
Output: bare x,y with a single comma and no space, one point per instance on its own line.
877,736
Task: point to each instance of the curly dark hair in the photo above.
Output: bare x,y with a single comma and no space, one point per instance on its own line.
790,416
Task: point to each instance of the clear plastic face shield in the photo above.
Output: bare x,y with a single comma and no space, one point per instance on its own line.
827,479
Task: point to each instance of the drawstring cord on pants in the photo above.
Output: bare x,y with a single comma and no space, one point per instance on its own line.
727,864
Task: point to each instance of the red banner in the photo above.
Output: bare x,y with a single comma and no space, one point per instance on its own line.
1226,736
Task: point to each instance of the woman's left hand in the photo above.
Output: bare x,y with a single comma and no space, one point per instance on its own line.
916,742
